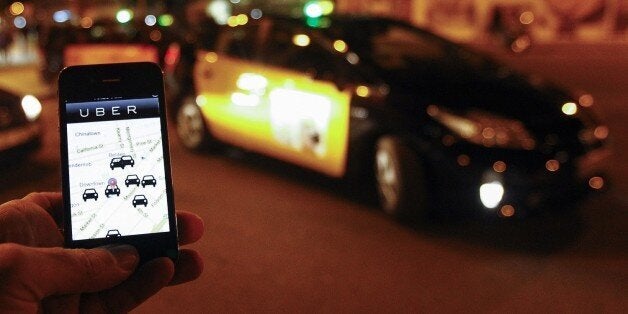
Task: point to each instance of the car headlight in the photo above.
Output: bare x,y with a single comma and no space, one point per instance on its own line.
491,190
483,128
31,107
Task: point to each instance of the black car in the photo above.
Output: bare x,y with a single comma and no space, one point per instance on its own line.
140,200
90,194
112,190
20,130
121,162
132,179
148,180
433,126
113,233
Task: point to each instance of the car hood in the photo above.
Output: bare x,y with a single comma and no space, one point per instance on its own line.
492,88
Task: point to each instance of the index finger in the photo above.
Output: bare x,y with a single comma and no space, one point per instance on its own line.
52,202
190,227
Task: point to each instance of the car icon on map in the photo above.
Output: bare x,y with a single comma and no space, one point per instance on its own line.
90,193
132,179
121,162
112,190
140,200
149,180
114,233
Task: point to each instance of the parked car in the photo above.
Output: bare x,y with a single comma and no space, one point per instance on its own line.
432,125
20,130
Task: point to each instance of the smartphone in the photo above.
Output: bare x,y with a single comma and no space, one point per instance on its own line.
115,163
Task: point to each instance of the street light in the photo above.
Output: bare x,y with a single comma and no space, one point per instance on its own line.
124,16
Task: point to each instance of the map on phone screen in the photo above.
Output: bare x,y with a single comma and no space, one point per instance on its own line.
116,168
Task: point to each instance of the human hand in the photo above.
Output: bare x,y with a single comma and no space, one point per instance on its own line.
37,274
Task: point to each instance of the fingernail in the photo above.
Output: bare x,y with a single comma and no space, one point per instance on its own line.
125,255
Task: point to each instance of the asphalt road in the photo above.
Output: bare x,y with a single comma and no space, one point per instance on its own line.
279,239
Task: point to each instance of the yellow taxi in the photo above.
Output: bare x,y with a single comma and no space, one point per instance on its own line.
431,126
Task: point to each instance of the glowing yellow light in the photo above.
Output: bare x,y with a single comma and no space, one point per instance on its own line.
491,193
16,8
32,107
526,17
211,57
499,166
242,19
586,100
312,113
570,108
232,21
252,82
465,127
463,160
245,100
362,91
340,46
507,211
601,132
327,7
87,22
596,183
301,40
201,100
552,165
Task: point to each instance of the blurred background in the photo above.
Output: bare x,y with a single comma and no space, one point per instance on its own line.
280,238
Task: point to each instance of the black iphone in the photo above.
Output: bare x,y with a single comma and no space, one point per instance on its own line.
115,161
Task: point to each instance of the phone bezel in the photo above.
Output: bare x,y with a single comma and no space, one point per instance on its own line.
127,81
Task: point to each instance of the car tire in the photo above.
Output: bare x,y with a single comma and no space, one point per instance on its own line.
191,127
399,178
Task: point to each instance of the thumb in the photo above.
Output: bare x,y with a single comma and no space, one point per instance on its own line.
54,271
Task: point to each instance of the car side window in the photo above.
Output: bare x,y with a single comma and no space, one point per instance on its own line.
238,42
298,50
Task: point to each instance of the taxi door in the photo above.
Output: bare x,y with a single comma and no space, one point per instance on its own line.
265,106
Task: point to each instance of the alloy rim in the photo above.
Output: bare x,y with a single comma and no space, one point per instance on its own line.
190,125
388,179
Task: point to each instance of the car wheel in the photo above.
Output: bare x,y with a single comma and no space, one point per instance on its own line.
191,125
399,178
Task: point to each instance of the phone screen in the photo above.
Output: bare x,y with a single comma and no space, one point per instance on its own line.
117,180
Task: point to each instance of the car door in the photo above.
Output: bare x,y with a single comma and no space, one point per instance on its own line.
269,106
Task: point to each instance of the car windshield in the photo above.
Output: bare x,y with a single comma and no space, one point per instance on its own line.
391,45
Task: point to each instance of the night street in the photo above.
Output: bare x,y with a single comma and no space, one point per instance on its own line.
280,239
